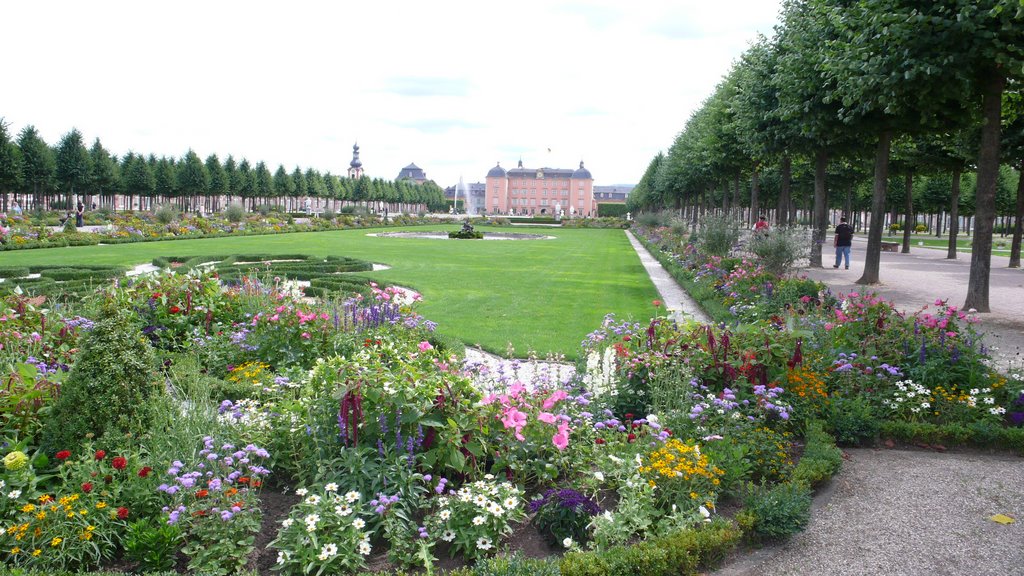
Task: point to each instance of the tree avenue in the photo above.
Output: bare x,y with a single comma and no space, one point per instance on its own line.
839,91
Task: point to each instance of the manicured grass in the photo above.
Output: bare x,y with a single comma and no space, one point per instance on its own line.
540,295
963,243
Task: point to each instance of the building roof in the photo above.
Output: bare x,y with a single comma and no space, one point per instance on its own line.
582,173
412,172
355,163
496,172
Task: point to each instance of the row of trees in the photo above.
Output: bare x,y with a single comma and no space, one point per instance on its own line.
852,87
36,174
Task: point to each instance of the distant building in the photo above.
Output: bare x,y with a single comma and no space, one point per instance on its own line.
355,167
414,173
535,191
477,203
612,194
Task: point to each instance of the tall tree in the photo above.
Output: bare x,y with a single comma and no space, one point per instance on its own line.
231,177
264,182
193,181
10,165
139,179
37,165
102,173
219,183
72,163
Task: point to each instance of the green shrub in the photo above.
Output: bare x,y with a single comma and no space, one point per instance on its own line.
328,214
821,458
109,389
466,235
980,434
779,511
13,272
166,214
605,210
152,544
235,212
717,234
515,565
853,421
779,248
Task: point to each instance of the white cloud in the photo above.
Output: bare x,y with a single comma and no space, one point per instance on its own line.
452,86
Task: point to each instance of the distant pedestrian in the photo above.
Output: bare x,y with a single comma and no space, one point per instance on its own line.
80,215
16,208
761,226
843,241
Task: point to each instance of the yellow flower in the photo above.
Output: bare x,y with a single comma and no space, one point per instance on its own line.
56,542
101,505
28,508
37,552
41,516
15,550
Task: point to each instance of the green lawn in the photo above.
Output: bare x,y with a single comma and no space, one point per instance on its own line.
541,295
963,243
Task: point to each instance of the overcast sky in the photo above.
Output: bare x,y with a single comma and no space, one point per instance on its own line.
451,86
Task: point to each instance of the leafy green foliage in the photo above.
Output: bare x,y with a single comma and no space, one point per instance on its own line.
110,389
152,543
779,511
853,420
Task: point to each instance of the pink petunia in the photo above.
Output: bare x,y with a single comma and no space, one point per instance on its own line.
513,418
557,396
424,346
561,438
547,417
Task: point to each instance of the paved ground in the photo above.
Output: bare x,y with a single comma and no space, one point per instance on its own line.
906,513
676,301
915,280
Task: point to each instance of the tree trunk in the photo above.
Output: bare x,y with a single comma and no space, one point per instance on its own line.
755,192
954,215
909,223
784,191
985,194
736,193
725,196
872,255
1018,225
820,207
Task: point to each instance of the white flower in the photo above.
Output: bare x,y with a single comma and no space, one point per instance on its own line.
329,550
652,418
997,410
488,476
511,502
599,475
974,391
332,487
287,523
389,388
313,499
704,512
283,556
495,509
480,500
364,547
926,405
568,543
448,535
444,514
358,523
352,496
301,492
478,520
990,400
2,484
14,495
342,510
484,543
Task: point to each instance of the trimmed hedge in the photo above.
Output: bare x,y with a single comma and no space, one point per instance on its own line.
821,458
976,434
611,210
13,272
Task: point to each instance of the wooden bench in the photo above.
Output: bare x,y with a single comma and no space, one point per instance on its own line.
890,246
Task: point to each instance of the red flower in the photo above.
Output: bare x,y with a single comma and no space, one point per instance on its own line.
599,441
157,295
119,463
63,455
629,416
202,493
100,454
243,480
122,513
656,303
145,471
174,309
87,487
631,437
255,483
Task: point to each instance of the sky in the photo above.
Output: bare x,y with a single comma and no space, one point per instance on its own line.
453,86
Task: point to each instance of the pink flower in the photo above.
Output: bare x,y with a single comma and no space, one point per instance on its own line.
805,299
424,346
557,396
513,418
561,438
828,326
516,389
547,417
274,318
306,335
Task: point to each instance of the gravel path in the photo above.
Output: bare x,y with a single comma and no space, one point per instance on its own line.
906,513
676,301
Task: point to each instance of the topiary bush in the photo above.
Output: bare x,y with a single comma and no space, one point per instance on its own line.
110,389
778,511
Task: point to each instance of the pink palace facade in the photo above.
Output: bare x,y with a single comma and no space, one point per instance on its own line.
536,191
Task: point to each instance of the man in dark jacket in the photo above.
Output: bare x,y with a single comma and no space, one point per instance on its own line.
843,241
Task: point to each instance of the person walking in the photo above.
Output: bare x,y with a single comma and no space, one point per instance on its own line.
80,215
843,241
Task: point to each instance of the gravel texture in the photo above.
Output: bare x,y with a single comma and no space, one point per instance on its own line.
906,513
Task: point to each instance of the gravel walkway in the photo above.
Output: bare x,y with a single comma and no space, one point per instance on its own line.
906,513
676,301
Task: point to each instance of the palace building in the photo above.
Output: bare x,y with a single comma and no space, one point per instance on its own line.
535,191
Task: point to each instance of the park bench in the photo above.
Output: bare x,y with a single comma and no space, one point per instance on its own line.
890,246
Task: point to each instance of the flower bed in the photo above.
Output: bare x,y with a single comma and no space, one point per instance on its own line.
246,426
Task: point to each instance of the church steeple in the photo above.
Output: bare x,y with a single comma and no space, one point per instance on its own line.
355,167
